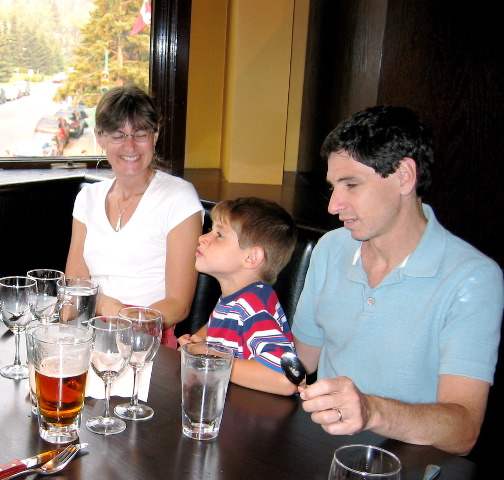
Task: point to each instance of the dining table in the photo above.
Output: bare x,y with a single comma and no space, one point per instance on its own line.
262,436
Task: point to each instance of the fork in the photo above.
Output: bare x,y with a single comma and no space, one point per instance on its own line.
59,462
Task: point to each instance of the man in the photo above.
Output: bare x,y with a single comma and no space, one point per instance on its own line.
400,317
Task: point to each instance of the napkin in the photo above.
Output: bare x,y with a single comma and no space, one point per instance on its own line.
122,386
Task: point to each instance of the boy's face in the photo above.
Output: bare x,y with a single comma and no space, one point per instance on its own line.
219,253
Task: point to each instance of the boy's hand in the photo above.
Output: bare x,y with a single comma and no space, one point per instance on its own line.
183,339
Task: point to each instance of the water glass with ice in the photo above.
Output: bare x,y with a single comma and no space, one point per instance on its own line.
205,370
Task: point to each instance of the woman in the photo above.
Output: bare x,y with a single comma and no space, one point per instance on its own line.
136,234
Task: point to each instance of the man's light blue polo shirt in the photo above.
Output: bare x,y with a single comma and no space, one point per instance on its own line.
440,313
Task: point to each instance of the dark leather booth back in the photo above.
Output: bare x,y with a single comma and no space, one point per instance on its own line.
288,285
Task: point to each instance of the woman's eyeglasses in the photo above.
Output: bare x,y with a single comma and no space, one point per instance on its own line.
117,137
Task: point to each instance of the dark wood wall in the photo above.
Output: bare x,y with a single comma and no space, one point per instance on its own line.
441,58
444,60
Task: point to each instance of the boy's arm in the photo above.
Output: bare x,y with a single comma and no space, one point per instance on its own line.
199,336
253,374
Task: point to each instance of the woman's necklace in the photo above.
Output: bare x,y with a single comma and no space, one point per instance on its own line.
121,212
119,218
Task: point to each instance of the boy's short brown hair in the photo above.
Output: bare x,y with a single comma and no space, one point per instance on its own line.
262,223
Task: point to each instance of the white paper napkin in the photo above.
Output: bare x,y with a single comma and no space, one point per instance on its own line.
122,386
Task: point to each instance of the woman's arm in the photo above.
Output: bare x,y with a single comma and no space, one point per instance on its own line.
181,275
76,266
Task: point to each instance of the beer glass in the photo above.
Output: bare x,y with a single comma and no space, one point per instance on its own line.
61,357
77,300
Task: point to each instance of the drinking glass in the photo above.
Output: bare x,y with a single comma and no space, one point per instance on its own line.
358,462
147,330
17,298
77,300
61,357
47,292
30,360
205,372
110,355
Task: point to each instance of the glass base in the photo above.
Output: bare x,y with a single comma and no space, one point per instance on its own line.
105,425
200,430
15,372
54,433
133,412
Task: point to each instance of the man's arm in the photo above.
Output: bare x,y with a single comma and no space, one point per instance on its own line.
452,423
308,355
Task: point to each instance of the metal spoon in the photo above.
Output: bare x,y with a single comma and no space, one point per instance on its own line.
59,462
431,471
293,368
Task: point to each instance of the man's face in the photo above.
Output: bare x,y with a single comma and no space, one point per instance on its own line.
366,203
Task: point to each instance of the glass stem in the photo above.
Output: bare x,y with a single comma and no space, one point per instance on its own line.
108,385
17,360
136,385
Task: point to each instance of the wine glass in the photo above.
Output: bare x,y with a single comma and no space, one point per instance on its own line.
17,299
110,355
147,329
47,292
364,462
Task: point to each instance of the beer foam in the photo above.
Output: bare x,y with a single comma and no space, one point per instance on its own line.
60,367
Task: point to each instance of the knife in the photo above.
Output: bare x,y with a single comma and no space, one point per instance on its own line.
16,466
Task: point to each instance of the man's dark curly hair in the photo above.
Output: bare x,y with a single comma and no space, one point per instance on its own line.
380,137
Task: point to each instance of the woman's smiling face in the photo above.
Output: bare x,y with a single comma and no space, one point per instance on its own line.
130,157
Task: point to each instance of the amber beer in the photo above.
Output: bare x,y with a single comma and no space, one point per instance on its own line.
60,399
61,359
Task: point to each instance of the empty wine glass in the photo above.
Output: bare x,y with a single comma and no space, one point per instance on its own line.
110,355
17,298
147,330
47,292
364,462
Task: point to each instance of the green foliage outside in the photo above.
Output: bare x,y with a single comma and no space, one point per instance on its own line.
25,44
108,30
50,36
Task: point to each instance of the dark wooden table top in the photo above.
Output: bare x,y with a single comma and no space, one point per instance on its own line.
262,436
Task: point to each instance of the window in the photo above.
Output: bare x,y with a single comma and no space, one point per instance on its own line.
81,48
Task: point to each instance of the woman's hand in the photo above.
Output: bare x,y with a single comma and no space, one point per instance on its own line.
106,305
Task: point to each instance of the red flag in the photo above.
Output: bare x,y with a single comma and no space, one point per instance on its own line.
143,19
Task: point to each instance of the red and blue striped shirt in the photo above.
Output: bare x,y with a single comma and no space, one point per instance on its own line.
252,323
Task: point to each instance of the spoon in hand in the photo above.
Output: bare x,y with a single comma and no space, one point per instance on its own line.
431,472
293,368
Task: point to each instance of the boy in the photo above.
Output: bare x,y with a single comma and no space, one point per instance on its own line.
251,240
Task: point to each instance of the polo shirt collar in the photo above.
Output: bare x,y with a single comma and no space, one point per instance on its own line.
424,261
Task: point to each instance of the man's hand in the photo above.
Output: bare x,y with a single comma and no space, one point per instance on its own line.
337,405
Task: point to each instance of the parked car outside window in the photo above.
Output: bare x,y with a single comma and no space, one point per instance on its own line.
52,139
56,126
24,87
75,121
12,92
